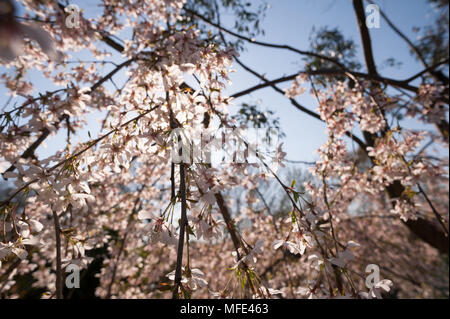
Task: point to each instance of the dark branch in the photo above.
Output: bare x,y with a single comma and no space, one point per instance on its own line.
365,37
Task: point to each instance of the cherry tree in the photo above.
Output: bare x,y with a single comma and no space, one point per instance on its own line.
141,212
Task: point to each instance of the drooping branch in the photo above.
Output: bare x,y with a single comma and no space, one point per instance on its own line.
90,145
59,283
265,44
183,224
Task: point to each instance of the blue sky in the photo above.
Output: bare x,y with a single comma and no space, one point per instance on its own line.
290,22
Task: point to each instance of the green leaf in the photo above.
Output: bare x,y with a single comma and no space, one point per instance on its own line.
293,183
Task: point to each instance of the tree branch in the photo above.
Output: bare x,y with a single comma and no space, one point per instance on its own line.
59,283
183,224
265,44
365,37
